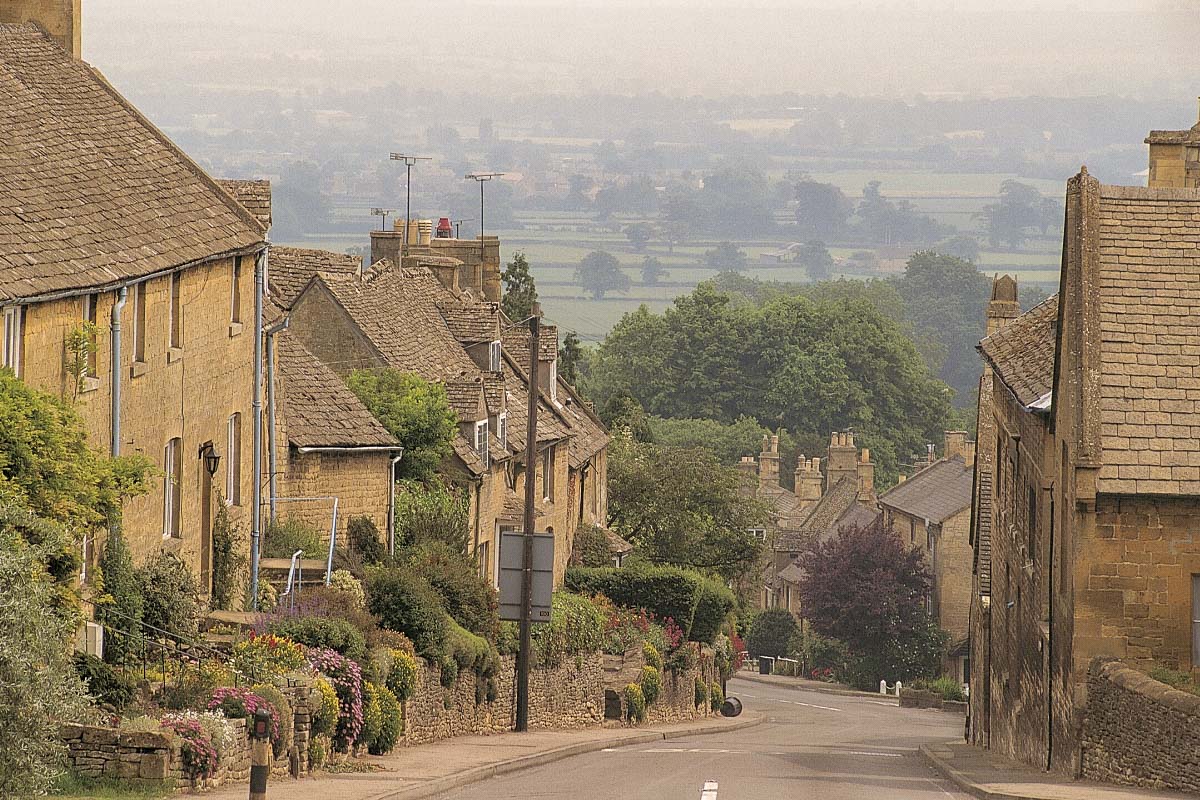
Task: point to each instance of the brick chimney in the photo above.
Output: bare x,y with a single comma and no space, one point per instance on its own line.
60,18
768,462
809,481
866,477
842,460
1175,159
1003,307
955,444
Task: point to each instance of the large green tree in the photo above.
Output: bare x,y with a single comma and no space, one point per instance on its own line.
413,410
600,273
520,293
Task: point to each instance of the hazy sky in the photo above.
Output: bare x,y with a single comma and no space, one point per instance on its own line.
861,47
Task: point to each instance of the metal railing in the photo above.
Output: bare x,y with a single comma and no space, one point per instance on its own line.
295,580
332,527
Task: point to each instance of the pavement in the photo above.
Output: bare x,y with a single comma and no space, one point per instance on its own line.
435,770
988,776
824,687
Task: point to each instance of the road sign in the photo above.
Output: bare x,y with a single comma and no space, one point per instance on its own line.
512,552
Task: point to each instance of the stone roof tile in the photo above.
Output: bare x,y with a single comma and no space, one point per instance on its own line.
291,268
1022,352
936,493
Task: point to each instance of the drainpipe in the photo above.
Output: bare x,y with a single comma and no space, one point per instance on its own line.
270,332
391,529
260,273
117,309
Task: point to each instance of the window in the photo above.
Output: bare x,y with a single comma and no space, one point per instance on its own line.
13,338
139,322
482,560
912,532
90,302
494,357
235,295
172,473
758,533
1031,522
502,427
481,440
233,461
175,319
548,473
1195,621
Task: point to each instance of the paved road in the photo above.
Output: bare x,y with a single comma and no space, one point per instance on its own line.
812,747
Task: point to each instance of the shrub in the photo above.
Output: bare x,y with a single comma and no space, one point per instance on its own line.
431,512
651,654
346,678
403,677
170,595
947,687
228,561
194,687
391,722
263,657
651,684
466,595
624,628
407,603
317,752
821,653
701,693
268,597
663,591
197,750
372,715
717,697
771,633
120,608
283,707
715,603
336,634
365,540
576,627
413,410
324,702
240,703
342,581
104,683
635,703
282,538
590,548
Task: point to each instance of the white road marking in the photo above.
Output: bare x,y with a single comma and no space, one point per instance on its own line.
865,753
709,792
940,786
823,708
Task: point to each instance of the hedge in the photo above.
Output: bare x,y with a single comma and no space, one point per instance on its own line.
406,603
697,604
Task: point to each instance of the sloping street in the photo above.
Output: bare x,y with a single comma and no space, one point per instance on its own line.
813,745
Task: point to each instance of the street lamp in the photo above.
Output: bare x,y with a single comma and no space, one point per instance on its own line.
212,459
381,212
481,178
409,161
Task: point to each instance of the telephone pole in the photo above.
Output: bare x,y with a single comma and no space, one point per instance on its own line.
526,643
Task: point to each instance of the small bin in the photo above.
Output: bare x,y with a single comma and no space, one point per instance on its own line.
764,665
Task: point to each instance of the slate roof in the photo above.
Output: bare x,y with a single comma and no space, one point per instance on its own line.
254,196
472,323
1148,304
514,508
858,516
617,544
936,493
516,343
588,434
289,269
1022,352
318,409
91,193
792,573
465,397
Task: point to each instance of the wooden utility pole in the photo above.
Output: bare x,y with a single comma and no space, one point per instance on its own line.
535,324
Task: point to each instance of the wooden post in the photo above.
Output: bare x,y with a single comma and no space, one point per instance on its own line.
260,754
526,642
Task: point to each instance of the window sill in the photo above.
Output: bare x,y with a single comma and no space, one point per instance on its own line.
89,384
138,368
235,329
174,354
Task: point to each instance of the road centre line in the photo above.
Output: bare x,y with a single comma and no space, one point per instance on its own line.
709,792
881,755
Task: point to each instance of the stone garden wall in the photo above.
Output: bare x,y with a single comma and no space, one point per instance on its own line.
677,702
1138,731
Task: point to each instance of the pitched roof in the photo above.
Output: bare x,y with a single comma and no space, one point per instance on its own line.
472,323
91,193
822,517
588,434
318,409
1022,352
255,197
857,516
1148,286
936,493
466,398
291,268
793,573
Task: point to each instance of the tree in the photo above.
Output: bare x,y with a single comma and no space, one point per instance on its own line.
771,633
888,222
600,273
821,210
653,271
570,356
963,247
865,589
728,443
1020,209
39,688
682,508
816,260
725,257
520,293
736,200
639,235
413,410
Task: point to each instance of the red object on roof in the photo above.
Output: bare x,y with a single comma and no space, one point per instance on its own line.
443,228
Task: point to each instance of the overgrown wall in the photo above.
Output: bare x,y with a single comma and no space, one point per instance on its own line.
677,702
1138,731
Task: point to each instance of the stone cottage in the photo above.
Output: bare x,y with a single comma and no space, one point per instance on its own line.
113,237
1088,484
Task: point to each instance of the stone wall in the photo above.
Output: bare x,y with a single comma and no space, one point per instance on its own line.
677,701
1138,731
567,696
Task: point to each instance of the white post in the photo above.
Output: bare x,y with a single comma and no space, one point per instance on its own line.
883,687
899,686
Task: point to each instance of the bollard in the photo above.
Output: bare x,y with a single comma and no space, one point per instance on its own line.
899,686
260,754
883,687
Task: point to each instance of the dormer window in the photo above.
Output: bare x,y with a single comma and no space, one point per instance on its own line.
481,440
502,427
494,357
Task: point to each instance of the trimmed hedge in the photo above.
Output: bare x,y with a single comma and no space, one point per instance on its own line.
336,634
697,604
406,603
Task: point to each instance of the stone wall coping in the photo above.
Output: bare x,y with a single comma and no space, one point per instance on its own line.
1138,682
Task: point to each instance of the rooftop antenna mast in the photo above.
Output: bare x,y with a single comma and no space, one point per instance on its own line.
409,161
383,213
457,225
481,178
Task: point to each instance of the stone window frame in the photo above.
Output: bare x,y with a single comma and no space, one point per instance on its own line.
233,460
481,441
548,474
91,303
172,488
174,311
235,292
495,356
13,344
139,322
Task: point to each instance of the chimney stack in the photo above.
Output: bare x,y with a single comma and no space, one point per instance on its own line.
60,18
809,481
955,444
866,478
768,461
1003,307
1174,159
842,460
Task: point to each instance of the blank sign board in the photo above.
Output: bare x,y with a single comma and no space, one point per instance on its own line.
512,556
